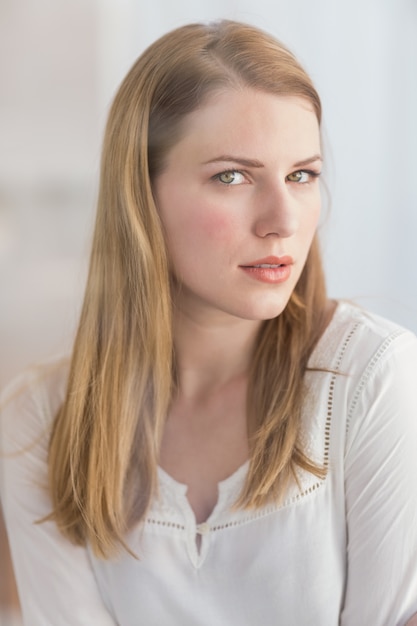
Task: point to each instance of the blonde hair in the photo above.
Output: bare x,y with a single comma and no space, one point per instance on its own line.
104,448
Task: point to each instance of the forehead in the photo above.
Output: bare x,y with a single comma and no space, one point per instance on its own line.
248,120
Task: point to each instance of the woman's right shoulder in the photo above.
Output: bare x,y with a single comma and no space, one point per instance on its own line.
30,401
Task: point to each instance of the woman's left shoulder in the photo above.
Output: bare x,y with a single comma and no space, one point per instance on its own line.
358,340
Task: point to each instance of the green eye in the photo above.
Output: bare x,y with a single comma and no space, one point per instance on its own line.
227,177
298,177
302,176
230,177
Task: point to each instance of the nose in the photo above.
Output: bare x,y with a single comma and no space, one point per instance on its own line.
276,212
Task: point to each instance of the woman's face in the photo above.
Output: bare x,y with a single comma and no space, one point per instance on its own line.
239,200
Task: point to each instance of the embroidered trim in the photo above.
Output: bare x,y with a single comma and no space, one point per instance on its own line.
157,522
326,452
269,510
365,377
330,399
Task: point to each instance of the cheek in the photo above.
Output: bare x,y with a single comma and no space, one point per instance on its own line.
202,234
191,219
217,226
313,221
311,218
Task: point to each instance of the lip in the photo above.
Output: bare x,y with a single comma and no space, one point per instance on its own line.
271,260
270,269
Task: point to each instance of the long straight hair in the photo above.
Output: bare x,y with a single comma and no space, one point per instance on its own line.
105,444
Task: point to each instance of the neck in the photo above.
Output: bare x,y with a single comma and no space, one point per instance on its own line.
211,353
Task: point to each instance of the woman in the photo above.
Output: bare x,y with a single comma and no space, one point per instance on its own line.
226,446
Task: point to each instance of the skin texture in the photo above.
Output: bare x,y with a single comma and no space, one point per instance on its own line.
213,228
232,192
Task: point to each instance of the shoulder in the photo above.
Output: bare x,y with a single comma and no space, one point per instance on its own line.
29,403
357,340
373,365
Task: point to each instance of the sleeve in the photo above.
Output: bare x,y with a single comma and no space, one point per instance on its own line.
55,580
381,490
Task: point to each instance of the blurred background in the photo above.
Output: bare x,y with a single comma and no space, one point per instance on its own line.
60,64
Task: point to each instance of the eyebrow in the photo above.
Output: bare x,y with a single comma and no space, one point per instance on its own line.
316,157
235,159
227,158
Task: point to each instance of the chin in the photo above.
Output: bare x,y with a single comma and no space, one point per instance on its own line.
261,313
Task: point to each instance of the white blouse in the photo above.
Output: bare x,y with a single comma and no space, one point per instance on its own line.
342,550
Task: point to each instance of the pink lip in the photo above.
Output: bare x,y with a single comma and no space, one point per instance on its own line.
271,260
273,275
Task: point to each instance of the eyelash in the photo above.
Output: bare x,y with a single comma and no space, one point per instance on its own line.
217,176
311,173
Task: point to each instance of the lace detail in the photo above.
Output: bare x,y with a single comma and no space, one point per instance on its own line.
383,348
172,510
159,522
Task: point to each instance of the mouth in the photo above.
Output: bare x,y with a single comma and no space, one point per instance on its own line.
272,270
269,265
271,262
